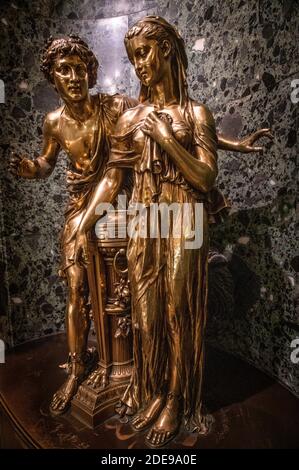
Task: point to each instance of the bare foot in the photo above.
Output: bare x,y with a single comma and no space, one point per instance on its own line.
79,366
143,419
98,379
62,398
167,425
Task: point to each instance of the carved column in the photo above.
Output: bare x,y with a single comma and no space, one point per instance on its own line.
110,299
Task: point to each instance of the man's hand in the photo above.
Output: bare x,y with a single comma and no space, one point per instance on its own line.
15,163
81,250
246,144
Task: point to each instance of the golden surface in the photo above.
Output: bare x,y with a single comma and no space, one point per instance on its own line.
168,282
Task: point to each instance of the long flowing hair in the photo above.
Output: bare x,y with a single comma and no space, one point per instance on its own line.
157,28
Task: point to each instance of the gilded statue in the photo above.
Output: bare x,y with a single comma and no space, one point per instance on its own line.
168,142
83,127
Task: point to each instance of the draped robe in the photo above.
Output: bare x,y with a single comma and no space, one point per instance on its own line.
168,281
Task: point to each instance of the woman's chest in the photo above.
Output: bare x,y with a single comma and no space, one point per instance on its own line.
180,128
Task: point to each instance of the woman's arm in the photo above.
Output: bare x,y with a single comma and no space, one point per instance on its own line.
199,170
42,166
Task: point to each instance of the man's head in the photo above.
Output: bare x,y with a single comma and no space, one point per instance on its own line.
70,66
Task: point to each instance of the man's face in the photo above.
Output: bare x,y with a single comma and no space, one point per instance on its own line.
71,78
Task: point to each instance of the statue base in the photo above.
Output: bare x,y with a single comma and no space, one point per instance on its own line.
92,406
245,404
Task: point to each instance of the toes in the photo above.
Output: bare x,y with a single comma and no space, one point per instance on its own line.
53,405
137,420
158,438
54,402
150,434
62,405
155,438
139,424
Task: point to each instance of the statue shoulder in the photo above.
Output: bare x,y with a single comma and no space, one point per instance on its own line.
202,114
117,103
124,102
129,117
52,119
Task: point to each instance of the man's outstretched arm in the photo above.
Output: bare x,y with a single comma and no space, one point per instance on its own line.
244,145
42,166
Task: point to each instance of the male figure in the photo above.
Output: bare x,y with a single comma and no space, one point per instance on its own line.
81,127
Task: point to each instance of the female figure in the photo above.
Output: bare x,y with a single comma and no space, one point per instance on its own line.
170,143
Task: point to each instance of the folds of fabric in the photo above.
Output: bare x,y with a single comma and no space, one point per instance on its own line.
168,282
81,189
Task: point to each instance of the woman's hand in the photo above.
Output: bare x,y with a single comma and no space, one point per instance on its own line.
81,249
246,144
158,129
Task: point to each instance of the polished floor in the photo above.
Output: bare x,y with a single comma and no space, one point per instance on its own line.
250,409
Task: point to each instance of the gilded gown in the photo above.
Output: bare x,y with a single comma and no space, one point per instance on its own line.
165,277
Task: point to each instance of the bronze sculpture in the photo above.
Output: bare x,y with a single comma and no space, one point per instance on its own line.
170,144
83,128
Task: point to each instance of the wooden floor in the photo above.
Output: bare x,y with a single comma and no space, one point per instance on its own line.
250,410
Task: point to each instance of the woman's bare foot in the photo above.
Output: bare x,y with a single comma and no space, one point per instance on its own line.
62,398
145,417
167,425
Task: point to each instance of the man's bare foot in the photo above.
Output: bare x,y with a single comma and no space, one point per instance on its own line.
145,417
80,365
62,398
98,379
167,425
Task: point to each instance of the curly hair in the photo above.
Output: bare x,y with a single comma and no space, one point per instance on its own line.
62,47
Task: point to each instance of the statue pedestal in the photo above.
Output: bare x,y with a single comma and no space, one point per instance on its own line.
94,406
245,403
110,301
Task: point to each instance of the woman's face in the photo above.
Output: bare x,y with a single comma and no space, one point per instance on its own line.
148,60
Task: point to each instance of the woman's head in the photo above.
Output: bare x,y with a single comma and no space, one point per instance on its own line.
153,44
